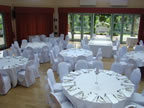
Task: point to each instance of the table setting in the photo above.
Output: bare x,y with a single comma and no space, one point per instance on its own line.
97,88
137,56
11,65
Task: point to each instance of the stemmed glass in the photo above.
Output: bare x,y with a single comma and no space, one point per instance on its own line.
96,73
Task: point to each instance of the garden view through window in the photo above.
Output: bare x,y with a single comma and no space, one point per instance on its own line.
118,26
2,38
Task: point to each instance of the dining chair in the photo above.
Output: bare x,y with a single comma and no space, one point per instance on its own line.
81,64
26,77
63,70
138,98
57,87
59,103
97,63
139,48
70,46
36,66
141,43
24,44
44,55
43,37
135,77
5,84
117,67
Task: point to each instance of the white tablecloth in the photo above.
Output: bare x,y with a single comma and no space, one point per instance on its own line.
36,46
106,38
131,41
72,54
105,45
12,64
137,56
108,89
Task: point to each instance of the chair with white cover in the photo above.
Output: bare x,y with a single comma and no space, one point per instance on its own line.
98,55
30,53
56,50
70,46
116,47
43,38
5,84
97,63
139,48
63,70
24,44
53,61
51,35
117,67
15,50
66,41
10,53
81,64
36,39
83,43
131,61
57,87
138,98
36,66
128,70
86,40
26,77
135,78
86,47
60,104
49,89
44,55
141,43
16,44
61,36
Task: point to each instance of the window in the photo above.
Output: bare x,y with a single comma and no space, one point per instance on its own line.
2,37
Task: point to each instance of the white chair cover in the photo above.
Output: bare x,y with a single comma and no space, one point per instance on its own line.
44,56
59,103
24,44
97,63
56,86
53,61
128,70
139,48
141,43
43,38
36,66
81,64
70,46
63,70
27,78
135,77
117,67
56,50
138,98
5,84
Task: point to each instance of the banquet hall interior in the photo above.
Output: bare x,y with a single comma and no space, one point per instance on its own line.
71,53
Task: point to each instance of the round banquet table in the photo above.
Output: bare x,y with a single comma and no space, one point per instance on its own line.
36,46
72,54
105,45
137,56
107,89
11,65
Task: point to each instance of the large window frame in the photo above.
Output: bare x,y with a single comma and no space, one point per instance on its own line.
111,32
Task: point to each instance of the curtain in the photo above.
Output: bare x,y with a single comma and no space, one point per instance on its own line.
33,21
141,29
9,35
63,23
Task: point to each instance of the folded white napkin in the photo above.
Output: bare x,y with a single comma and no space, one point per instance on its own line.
68,84
68,78
126,93
112,98
74,92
